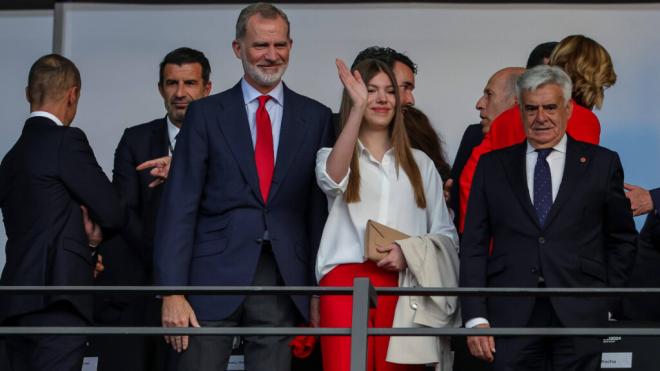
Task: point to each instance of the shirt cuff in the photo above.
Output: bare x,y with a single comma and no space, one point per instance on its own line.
325,182
474,322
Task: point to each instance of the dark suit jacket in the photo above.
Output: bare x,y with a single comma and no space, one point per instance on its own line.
128,257
139,144
589,239
645,308
651,229
44,178
213,218
471,138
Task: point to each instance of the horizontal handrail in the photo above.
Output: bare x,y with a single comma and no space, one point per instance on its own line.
322,331
308,290
364,297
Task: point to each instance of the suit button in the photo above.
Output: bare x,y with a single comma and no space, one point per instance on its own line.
259,240
534,270
541,240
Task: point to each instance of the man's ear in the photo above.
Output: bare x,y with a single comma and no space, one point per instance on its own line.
236,46
569,107
160,89
27,95
73,95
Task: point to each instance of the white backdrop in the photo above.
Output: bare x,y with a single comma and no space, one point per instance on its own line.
457,48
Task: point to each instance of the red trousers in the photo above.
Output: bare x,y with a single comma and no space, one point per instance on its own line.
336,312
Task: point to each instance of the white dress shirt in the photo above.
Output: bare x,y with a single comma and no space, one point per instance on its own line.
47,115
274,106
172,132
384,197
556,160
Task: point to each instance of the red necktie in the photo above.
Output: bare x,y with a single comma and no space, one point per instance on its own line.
263,149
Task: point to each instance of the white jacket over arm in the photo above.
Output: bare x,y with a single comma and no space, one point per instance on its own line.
432,262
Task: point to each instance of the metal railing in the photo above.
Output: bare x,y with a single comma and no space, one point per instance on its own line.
364,298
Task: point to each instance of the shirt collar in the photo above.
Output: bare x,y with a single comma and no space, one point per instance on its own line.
47,115
250,93
172,130
363,150
559,147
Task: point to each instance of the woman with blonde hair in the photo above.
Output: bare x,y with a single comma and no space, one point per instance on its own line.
372,173
590,67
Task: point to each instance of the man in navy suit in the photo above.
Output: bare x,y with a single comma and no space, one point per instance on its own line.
557,216
184,76
50,185
241,206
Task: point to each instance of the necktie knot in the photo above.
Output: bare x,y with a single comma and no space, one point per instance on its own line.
263,99
543,153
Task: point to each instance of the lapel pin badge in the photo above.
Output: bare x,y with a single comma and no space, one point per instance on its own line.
583,160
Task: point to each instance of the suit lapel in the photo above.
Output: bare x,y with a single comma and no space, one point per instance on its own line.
235,126
292,133
577,161
517,174
160,140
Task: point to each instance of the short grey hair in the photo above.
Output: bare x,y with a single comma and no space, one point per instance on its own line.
266,10
541,75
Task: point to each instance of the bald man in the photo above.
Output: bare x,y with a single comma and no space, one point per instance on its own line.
498,96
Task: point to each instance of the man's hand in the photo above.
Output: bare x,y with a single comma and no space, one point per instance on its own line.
482,347
314,312
177,312
394,261
92,230
446,189
160,168
640,199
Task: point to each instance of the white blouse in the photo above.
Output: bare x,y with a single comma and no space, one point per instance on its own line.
386,198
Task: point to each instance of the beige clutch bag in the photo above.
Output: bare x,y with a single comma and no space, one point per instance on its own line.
379,235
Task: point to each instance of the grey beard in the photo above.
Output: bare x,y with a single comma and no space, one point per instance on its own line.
266,79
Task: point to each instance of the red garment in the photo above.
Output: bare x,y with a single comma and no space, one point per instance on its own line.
336,311
507,130
264,154
302,346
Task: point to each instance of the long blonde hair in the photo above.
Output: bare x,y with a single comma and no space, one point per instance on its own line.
403,156
589,65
